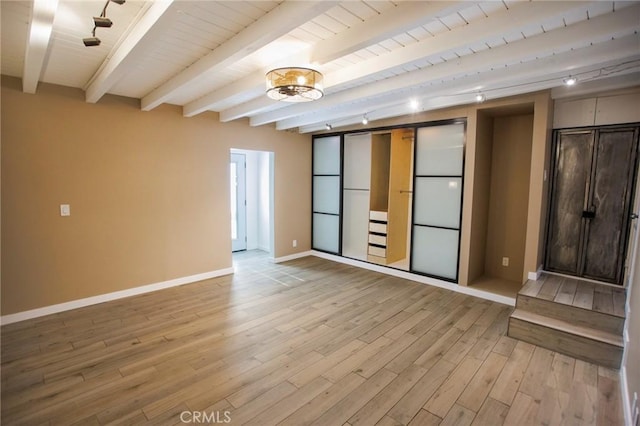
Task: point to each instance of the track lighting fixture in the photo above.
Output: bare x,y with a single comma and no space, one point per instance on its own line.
91,41
480,98
328,126
570,81
365,120
100,22
414,104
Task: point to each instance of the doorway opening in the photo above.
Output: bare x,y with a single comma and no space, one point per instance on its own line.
251,192
590,205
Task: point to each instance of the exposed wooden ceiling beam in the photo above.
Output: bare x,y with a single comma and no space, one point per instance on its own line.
281,20
403,17
521,78
593,30
152,22
40,27
518,15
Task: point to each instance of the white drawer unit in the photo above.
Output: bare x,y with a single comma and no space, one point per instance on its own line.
377,251
379,216
380,228
380,240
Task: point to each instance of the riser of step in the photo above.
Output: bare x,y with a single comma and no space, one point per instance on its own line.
595,351
579,316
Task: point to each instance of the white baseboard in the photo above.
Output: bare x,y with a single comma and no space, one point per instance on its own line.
626,397
94,300
292,256
418,278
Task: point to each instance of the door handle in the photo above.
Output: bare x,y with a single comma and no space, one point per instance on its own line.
589,214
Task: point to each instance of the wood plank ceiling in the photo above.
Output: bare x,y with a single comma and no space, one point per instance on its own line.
376,56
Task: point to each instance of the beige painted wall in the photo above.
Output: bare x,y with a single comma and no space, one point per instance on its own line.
509,196
148,193
481,195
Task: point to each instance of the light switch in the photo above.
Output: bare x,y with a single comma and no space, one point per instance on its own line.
65,210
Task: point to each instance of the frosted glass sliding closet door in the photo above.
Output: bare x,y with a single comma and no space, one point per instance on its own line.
438,200
326,194
357,183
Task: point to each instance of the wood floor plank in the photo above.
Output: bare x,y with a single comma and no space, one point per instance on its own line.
608,402
482,382
584,296
358,358
323,402
414,400
619,302
491,413
425,418
447,394
510,378
308,341
523,410
603,299
567,292
327,363
378,406
283,408
458,416
550,288
536,374
348,406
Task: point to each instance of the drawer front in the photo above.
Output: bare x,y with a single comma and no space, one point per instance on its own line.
378,227
378,239
376,215
377,251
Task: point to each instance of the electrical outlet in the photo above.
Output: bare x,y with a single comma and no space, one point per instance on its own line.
65,210
505,261
295,243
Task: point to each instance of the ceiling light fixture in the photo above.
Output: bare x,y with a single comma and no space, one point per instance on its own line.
100,22
414,104
570,81
91,41
294,84
365,120
328,126
480,98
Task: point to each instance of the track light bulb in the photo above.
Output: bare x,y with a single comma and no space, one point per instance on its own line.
480,98
365,120
102,22
91,41
570,81
328,126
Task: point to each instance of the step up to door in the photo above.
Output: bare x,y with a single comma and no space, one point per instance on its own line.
579,302
592,345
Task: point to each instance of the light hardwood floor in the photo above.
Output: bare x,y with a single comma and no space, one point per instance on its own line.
305,342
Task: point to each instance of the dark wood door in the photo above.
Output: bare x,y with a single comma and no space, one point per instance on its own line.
591,194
